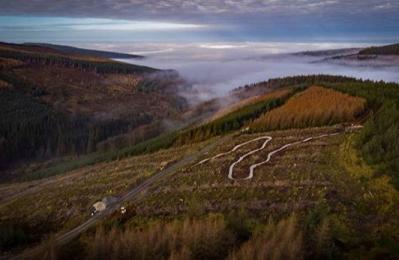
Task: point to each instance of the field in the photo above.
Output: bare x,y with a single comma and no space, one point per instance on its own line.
316,106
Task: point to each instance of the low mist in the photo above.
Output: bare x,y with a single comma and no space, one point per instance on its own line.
215,69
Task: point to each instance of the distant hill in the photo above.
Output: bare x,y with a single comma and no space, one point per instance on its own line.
75,50
49,56
392,49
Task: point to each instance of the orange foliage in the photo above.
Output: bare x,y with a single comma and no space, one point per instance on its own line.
315,106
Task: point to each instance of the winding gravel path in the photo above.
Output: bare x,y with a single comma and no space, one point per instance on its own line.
231,168
234,149
269,155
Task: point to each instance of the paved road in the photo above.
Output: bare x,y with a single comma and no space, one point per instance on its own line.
129,196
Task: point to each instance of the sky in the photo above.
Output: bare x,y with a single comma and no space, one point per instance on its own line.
199,20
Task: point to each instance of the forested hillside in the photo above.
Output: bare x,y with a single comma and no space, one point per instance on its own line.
379,140
53,104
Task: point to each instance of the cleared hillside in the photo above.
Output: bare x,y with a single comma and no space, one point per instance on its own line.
315,106
316,193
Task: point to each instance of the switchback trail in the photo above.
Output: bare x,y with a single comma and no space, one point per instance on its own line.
269,155
234,149
268,139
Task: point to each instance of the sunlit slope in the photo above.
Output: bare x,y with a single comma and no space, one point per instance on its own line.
316,106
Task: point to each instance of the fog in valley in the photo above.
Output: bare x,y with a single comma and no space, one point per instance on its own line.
215,69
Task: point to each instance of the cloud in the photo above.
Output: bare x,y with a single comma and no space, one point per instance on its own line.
218,19
216,71
134,9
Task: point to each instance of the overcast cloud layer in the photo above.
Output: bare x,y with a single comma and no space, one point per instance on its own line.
215,69
232,20
184,9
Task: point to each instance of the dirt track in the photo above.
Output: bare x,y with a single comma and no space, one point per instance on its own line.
269,155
